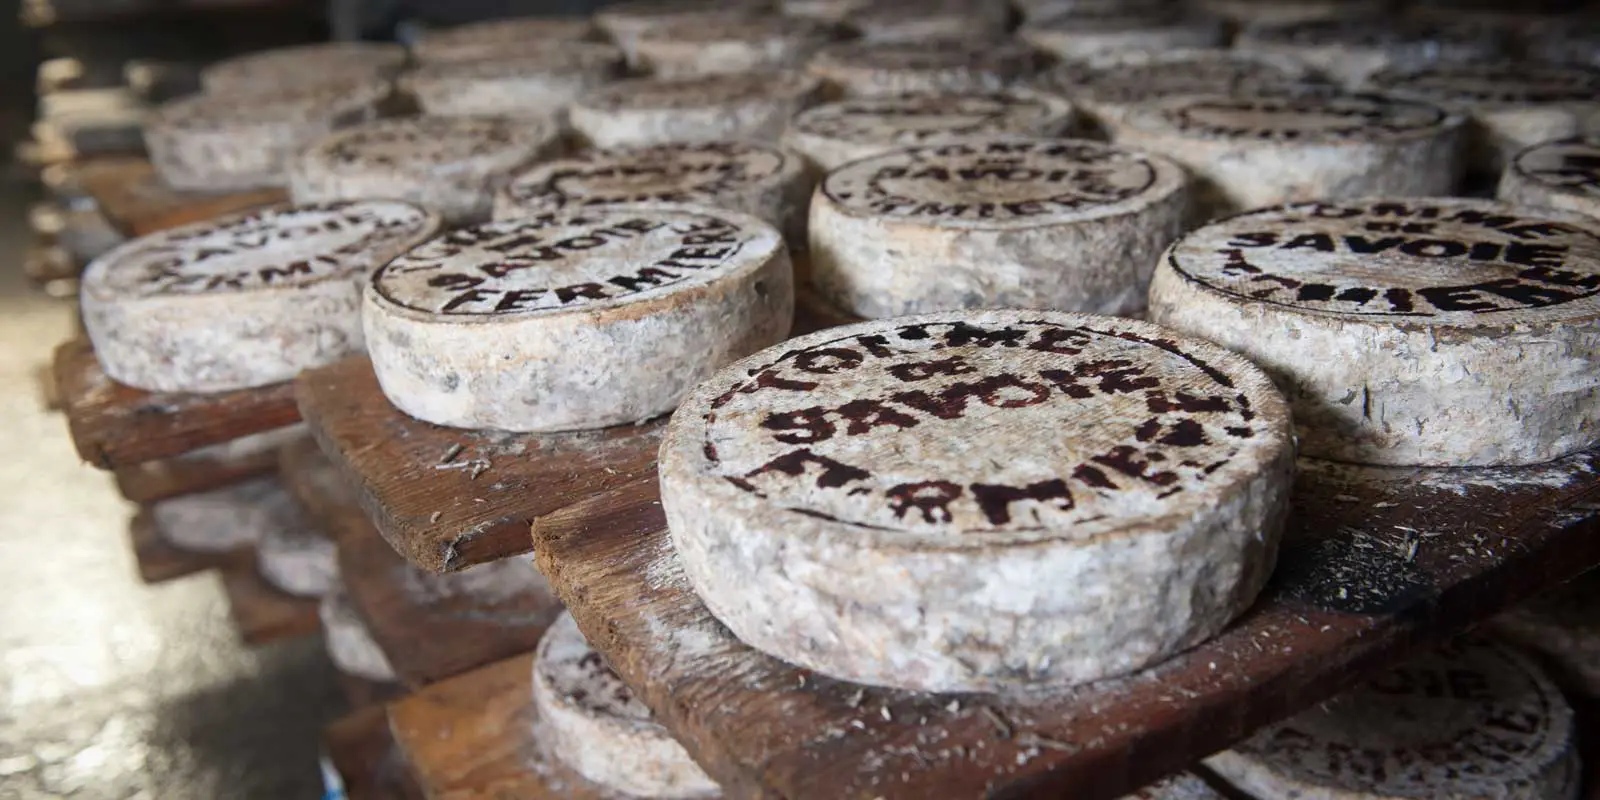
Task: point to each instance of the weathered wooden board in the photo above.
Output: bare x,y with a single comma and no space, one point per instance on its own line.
261,612
149,481
160,561
362,752
115,426
1376,563
135,200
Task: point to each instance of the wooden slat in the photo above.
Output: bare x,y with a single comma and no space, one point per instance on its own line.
363,753
158,561
134,199
261,612
150,481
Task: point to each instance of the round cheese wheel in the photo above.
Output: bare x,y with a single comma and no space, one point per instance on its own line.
246,300
763,181
287,68
451,166
229,140
1039,9
1564,175
1182,786
221,519
881,502
1287,12
756,107
1563,625
1001,222
626,21
1352,50
498,39
592,722
293,555
539,85
1471,719
829,11
1420,331
1088,35
350,645
1568,40
1248,151
577,319
1511,104
917,21
729,46
832,134
862,68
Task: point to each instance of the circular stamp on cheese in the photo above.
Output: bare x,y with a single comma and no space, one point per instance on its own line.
766,182
1564,175
730,46
246,300
851,69
1563,625
243,140
1182,786
876,501
1075,36
304,66
293,555
578,319
1249,151
221,519
592,722
1351,50
918,21
498,39
833,134
1406,331
832,12
1286,12
755,107
350,645
535,85
626,21
1511,104
451,166
1471,719
1000,222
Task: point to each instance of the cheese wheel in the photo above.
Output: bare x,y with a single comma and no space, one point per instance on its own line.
293,555
241,140
498,39
1182,786
451,166
221,519
766,182
1471,719
917,21
1248,151
540,84
1416,331
829,11
1566,40
1352,50
1511,104
1287,12
577,319
832,134
592,722
246,300
729,46
1001,222
350,645
287,68
1039,9
1564,175
960,501
852,69
1089,35
626,21
756,107
1563,625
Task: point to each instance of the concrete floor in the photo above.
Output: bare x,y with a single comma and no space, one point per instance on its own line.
114,689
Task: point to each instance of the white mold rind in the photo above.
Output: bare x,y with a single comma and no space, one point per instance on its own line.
755,107
497,39
350,645
1083,36
221,519
1352,49
1564,175
301,66
852,69
729,47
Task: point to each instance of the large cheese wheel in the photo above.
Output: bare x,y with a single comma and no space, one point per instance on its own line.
247,300
761,180
626,21
498,39
1472,719
1353,49
730,46
1088,35
919,21
1248,151
1000,222
1564,175
291,67
350,645
222,519
1423,331
592,722
577,319
451,166
1563,625
943,65
540,84
294,555
1285,12
833,134
757,106
962,501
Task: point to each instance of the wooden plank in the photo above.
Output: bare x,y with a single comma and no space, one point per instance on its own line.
362,753
1376,562
134,199
150,481
261,612
158,561
115,426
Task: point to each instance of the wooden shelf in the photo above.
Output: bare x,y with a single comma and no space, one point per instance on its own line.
150,481
136,202
159,561
362,752
263,613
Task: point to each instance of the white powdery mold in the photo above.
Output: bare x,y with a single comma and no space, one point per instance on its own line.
1352,49
580,319
1564,175
1470,719
451,166
960,501
996,222
1254,150
833,134
918,21
245,448
304,66
1563,625
495,39
627,21
755,107
730,46
852,69
595,725
245,300
1406,331
221,519
1081,35
1182,786
350,645
293,555
537,84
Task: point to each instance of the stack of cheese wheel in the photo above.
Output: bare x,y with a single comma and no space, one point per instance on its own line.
1564,174
1287,12
1472,719
1352,50
590,720
1410,331
578,319
498,39
451,166
291,67
862,68
627,21
766,182
537,84
833,134
244,300
1252,150
350,645
985,223
921,20
757,106
1075,36
221,519
293,554
876,501
1563,625
729,46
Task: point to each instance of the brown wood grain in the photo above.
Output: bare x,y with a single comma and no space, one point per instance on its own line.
1374,565
159,561
134,199
263,613
149,481
364,755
